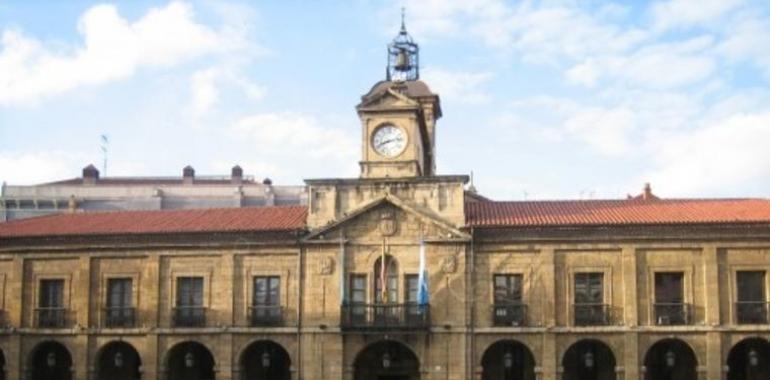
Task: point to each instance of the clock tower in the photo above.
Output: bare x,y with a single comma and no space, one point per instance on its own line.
398,117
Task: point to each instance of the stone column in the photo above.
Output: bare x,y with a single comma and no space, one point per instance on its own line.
631,356
714,356
549,358
630,299
711,284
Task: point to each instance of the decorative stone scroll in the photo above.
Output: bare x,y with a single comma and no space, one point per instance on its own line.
326,266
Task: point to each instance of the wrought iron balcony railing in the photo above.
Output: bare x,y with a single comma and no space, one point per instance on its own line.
265,316
385,317
592,314
751,312
51,317
672,314
189,316
119,317
509,314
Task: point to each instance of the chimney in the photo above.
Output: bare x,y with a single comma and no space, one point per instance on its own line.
72,204
236,175
267,182
188,175
647,193
90,175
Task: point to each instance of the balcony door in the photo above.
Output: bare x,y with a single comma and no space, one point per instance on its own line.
51,304
751,307
386,310
189,302
670,308
119,311
589,299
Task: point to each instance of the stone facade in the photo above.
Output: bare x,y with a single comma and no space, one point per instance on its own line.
331,319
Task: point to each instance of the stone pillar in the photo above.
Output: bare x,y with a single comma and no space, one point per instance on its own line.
713,356
631,356
549,358
711,284
630,299
224,355
151,358
548,283
14,362
80,300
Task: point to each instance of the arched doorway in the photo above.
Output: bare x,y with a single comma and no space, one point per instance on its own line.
50,361
2,365
387,360
265,360
589,359
118,361
190,361
670,359
749,360
508,360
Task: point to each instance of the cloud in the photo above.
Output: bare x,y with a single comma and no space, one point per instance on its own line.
112,48
205,87
458,86
38,167
724,154
686,13
296,135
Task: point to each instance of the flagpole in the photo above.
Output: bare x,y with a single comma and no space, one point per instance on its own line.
343,301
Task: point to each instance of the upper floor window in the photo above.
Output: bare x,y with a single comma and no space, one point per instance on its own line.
751,306
670,308
50,312
189,302
119,311
386,280
266,301
508,307
589,299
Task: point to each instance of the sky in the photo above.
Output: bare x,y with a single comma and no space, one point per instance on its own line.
576,99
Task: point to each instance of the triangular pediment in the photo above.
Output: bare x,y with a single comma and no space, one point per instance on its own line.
388,217
389,99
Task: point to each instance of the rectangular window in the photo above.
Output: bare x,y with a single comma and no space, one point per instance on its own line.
189,292
670,308
507,288
50,311
752,307
51,293
266,301
119,312
589,299
189,302
751,286
509,309
357,288
411,282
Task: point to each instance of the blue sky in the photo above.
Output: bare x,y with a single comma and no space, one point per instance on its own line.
541,99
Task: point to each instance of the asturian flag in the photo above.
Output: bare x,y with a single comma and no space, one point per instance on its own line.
422,280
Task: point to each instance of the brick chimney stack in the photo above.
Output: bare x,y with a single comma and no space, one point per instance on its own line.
90,175
188,175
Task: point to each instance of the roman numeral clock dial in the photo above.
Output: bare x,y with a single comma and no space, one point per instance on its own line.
389,140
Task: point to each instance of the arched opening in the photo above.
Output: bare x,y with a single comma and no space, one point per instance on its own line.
50,361
670,359
2,365
749,360
118,361
589,359
265,360
387,360
190,361
385,280
508,360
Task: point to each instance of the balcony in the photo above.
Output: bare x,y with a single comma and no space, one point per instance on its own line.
751,312
265,316
119,317
592,314
51,317
190,316
509,314
667,314
385,317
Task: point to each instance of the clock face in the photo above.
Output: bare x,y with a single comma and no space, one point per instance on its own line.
389,140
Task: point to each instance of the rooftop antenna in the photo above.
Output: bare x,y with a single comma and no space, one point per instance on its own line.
105,144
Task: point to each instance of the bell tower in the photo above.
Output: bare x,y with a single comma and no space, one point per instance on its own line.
398,117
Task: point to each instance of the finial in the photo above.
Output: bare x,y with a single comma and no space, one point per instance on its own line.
403,17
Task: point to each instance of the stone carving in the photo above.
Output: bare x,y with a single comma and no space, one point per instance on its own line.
388,222
326,266
449,264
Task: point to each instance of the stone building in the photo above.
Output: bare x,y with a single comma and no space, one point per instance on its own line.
638,288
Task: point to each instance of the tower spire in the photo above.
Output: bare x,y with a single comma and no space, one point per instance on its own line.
403,55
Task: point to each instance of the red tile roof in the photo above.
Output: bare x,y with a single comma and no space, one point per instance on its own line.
616,212
280,218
